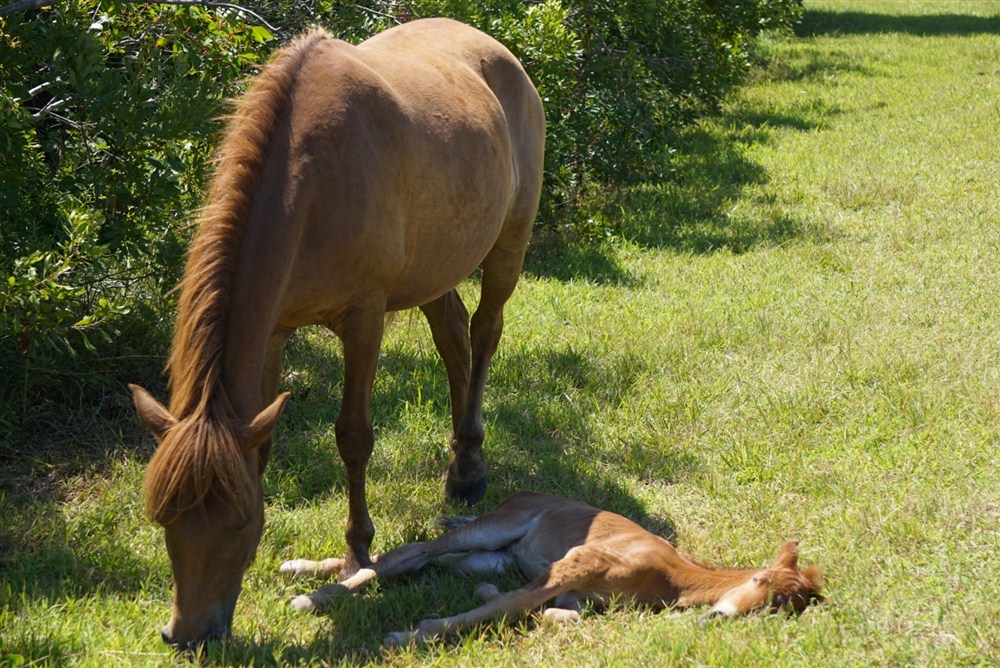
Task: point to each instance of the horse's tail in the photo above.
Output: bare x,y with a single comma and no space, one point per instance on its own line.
452,523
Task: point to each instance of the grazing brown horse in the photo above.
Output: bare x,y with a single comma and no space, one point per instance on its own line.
575,553
353,180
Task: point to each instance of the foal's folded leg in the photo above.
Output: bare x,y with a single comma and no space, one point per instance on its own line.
567,574
303,568
327,593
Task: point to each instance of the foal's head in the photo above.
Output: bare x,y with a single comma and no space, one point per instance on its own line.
781,587
204,486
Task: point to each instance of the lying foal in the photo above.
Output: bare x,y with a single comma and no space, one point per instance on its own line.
574,553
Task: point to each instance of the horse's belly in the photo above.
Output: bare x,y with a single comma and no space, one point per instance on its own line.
404,268
441,266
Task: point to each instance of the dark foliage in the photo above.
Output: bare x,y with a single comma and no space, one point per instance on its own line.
109,113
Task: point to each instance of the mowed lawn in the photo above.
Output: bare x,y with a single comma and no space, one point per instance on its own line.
795,337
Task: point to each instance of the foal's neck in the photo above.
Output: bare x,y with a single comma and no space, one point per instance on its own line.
701,585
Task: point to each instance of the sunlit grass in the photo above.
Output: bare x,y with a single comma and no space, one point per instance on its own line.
795,337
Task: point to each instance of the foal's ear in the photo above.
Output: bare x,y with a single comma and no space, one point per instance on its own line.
262,425
788,555
154,416
814,576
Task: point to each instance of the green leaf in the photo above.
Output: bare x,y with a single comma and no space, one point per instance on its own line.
261,34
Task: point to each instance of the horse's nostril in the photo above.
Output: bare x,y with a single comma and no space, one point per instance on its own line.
165,635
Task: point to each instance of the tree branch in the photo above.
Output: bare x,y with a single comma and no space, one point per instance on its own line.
380,14
25,5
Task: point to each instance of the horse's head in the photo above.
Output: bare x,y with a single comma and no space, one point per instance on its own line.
781,587
204,486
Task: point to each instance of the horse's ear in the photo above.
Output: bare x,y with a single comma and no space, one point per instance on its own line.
154,416
788,555
262,425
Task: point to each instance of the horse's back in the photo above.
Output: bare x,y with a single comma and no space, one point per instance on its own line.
406,157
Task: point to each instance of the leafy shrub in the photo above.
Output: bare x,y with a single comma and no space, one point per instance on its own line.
108,114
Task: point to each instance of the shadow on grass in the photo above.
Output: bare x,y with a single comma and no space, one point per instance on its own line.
541,405
806,63
818,22
570,258
712,194
43,561
22,647
702,206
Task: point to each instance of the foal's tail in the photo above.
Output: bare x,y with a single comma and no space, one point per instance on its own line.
452,523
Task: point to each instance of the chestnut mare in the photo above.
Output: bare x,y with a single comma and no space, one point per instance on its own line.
575,554
353,180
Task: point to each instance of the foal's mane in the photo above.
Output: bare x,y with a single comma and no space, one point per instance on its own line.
201,451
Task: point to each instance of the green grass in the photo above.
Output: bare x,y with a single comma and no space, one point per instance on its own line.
796,337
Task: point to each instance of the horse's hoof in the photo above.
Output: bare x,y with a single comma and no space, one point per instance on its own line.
469,493
352,565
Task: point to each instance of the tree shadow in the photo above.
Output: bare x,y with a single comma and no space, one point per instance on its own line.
23,647
816,23
807,63
570,257
43,558
713,194
694,210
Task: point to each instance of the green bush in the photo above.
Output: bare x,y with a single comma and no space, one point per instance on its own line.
108,114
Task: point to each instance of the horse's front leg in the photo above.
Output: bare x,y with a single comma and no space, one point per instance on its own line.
361,334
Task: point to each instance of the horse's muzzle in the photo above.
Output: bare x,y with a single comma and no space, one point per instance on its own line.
218,627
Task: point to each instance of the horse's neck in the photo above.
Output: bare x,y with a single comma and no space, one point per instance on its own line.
700,585
243,368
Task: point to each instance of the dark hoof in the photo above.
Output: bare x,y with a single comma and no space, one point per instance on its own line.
468,493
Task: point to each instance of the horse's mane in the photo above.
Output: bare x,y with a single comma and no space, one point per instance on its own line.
201,451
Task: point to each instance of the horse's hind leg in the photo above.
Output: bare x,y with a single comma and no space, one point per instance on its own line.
361,334
466,468
449,322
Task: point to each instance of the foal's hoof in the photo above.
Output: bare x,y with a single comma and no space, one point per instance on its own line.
468,492
303,602
398,639
487,591
560,616
298,568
